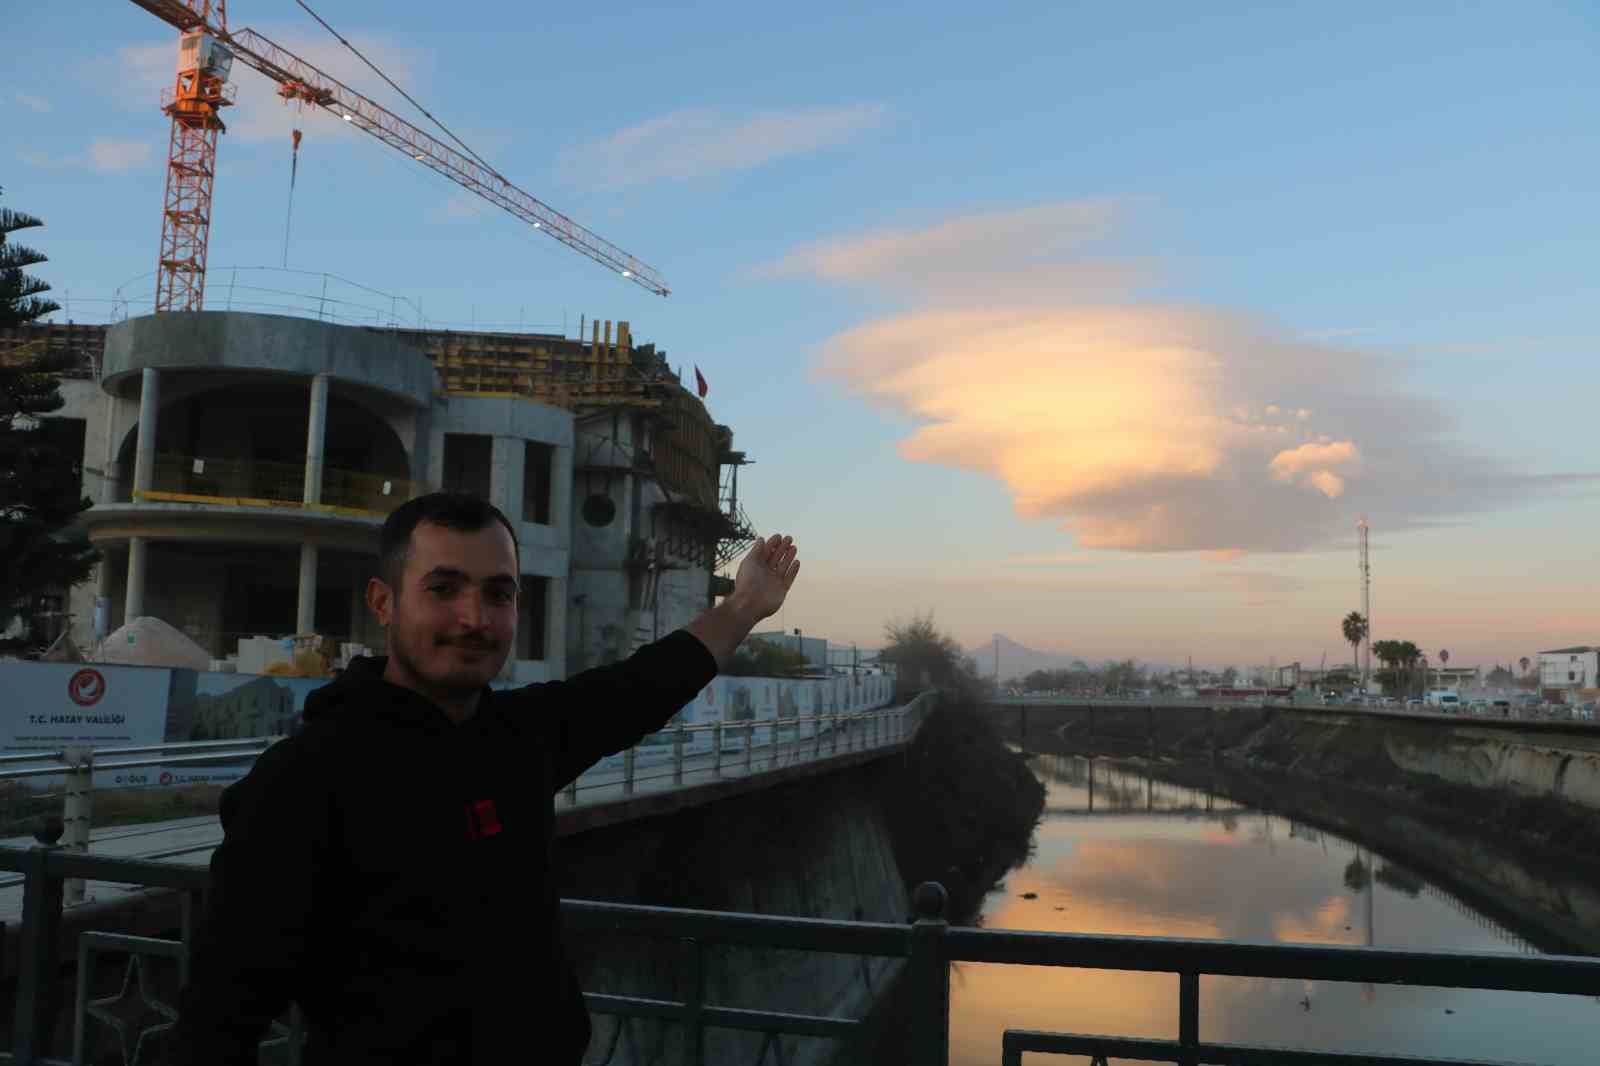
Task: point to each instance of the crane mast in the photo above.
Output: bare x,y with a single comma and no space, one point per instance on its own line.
206,52
194,102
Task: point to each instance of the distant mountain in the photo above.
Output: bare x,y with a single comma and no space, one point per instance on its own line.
1017,660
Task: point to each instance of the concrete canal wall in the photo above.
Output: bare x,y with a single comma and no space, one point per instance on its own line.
818,849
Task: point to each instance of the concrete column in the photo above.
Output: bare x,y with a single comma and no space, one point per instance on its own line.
102,594
506,464
144,463
561,492
420,457
133,599
305,615
435,459
113,470
316,432
555,628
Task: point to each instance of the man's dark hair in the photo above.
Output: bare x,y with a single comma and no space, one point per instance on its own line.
453,510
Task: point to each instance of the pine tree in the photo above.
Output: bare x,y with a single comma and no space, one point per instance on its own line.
39,483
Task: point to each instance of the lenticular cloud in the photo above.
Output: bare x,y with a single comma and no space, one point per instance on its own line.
1135,426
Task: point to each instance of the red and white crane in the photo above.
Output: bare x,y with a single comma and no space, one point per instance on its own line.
206,53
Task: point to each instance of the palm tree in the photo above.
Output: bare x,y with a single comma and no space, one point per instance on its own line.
1355,631
1523,662
1444,661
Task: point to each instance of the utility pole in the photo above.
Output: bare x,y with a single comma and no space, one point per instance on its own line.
1366,603
997,666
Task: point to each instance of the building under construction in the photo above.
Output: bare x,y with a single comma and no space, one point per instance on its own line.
242,463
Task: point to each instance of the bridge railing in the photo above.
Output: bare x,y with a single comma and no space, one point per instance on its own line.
926,944
733,749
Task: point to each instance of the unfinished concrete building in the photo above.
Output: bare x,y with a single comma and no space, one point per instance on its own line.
241,464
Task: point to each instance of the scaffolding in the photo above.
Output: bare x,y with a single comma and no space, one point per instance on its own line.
607,372
85,344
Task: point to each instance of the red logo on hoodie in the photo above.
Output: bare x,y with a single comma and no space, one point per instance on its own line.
482,821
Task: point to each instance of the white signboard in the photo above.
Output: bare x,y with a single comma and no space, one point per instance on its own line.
51,705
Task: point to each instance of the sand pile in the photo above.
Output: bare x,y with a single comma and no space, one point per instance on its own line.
147,641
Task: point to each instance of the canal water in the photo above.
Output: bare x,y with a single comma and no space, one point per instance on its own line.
1120,853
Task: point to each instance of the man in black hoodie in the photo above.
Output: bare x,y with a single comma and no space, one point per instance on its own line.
388,867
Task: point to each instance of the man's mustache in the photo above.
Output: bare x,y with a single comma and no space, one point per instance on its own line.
473,643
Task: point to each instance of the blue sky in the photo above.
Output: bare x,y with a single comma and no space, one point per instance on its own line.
1096,325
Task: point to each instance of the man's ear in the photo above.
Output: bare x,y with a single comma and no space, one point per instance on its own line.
380,598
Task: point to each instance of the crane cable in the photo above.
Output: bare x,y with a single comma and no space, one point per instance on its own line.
371,66
294,169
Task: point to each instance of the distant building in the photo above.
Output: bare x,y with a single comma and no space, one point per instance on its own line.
1563,672
1456,677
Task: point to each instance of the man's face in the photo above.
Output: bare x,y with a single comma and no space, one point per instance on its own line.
452,618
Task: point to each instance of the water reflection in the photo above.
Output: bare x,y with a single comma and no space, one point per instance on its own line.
1121,853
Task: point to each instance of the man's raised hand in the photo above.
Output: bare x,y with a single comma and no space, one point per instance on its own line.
766,575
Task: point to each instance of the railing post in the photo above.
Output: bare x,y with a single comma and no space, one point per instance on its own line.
677,754
749,745
76,812
833,734
930,970
627,771
36,963
816,735
716,744
190,915
1189,1018
694,1026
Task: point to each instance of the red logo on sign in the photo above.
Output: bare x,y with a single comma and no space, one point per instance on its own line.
86,688
166,778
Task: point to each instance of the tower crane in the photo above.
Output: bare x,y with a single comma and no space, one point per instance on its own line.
206,53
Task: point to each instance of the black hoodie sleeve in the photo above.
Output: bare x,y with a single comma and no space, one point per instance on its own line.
609,708
267,879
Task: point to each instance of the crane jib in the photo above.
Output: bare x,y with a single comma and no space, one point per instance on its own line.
300,80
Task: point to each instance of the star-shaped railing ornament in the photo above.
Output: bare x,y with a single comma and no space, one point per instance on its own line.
126,1012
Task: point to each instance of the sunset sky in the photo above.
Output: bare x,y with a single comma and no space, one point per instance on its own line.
1097,325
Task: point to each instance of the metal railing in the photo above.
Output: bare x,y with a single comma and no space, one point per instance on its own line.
733,751
1564,714
927,945
275,484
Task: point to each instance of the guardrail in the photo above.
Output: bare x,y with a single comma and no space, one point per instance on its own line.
927,944
1563,715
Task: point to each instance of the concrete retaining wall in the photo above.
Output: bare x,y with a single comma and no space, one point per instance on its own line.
1532,766
817,849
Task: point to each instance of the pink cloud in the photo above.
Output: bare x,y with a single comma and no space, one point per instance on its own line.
698,142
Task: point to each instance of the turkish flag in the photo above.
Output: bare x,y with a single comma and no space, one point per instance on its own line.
700,382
